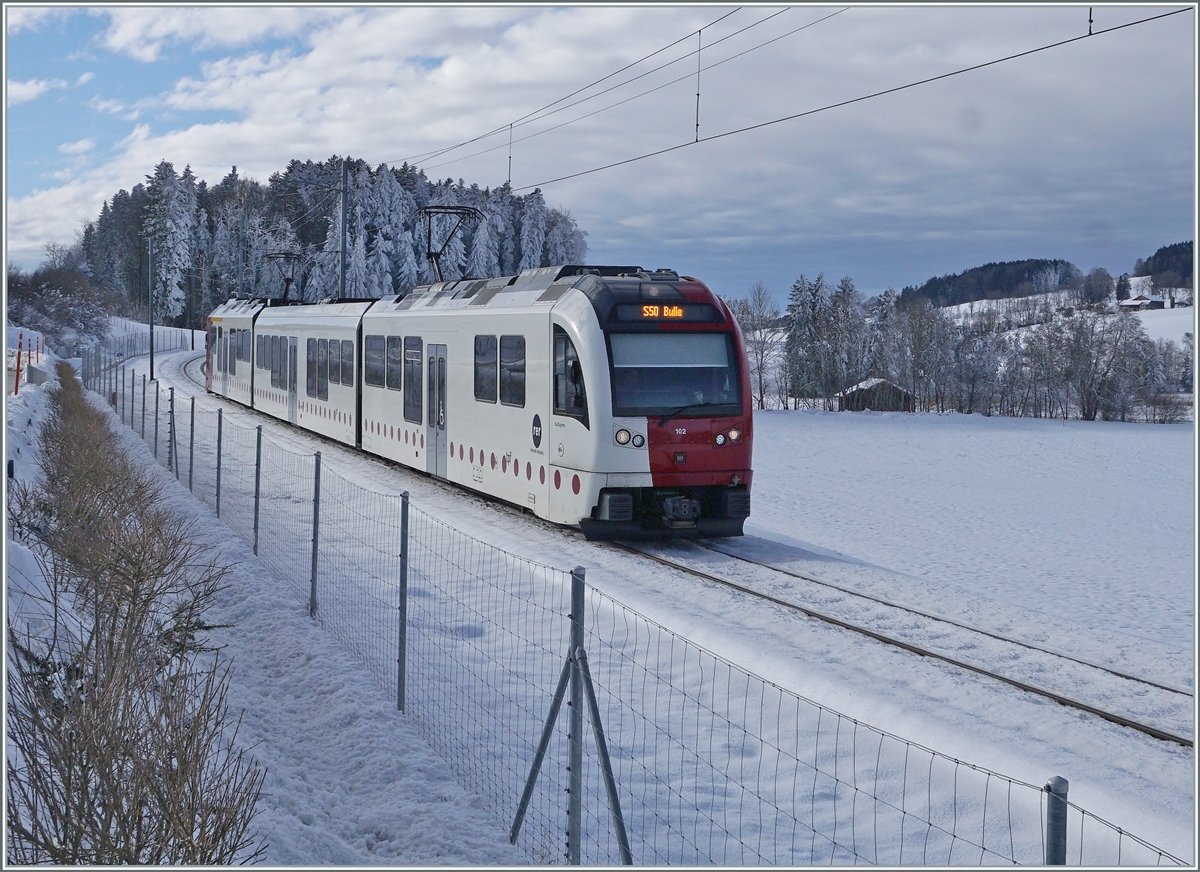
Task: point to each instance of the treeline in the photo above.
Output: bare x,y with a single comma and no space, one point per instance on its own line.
1083,363
1171,266
205,244
995,281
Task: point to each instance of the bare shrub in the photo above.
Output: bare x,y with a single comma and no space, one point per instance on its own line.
121,744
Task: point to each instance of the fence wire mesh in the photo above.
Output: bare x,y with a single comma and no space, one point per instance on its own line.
713,764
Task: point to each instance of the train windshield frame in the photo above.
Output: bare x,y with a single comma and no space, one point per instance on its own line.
694,374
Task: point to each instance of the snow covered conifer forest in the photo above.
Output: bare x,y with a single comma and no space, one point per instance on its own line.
205,244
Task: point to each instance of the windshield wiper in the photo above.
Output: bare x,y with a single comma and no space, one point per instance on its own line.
683,409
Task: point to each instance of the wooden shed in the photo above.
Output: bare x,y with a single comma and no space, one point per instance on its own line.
876,395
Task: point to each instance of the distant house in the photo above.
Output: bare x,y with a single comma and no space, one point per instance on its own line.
1142,303
876,395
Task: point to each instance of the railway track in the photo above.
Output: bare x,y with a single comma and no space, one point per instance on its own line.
945,640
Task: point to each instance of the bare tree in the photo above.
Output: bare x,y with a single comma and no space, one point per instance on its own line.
759,317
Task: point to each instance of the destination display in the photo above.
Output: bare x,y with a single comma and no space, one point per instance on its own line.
667,312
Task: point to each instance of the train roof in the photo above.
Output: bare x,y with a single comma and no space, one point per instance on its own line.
532,286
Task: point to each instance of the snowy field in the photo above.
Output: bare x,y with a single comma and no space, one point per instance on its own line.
1169,323
1082,533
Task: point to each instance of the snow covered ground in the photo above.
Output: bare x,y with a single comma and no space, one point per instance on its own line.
1169,323
1082,533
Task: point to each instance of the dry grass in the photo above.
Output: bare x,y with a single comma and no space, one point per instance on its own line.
122,748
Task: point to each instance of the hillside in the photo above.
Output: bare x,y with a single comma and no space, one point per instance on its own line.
994,281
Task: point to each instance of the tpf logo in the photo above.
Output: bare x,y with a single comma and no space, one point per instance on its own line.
537,431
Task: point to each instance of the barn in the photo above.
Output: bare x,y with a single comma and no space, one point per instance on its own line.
876,395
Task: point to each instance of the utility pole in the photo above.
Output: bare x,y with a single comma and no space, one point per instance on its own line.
150,243
342,276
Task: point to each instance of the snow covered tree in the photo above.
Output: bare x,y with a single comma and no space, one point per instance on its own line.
533,229
169,227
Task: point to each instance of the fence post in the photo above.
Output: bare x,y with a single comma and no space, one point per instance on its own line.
575,734
312,596
1056,821
219,411
143,407
122,393
156,394
192,446
172,461
403,617
257,481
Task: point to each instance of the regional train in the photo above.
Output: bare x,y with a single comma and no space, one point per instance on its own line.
608,398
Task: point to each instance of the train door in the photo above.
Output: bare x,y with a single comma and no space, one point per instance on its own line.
293,400
223,361
435,431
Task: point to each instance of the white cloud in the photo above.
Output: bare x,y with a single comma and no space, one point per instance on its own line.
23,92
18,18
142,32
81,146
85,78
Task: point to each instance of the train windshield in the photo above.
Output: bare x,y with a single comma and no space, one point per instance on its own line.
688,374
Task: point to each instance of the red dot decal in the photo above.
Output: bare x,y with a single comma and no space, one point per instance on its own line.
517,468
557,480
542,474
575,483
472,455
529,472
504,464
451,449
493,461
460,451
405,437
422,441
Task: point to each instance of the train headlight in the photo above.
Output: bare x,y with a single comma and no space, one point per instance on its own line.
720,440
735,435
639,440
623,437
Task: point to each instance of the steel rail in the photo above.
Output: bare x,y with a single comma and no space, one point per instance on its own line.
1120,720
932,617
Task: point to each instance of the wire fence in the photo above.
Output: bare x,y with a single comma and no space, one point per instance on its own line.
709,763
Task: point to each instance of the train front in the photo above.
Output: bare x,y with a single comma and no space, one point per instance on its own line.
681,404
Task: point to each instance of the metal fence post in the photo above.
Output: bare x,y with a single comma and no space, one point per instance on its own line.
143,407
172,463
575,734
257,482
156,394
403,609
1056,821
192,446
122,393
312,597
219,411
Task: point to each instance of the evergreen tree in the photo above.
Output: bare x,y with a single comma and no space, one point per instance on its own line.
533,229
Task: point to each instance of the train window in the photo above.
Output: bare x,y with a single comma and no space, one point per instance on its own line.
512,370
674,373
485,368
322,369
412,379
348,362
395,363
570,398
287,354
335,361
273,360
374,356
231,355
221,349
310,367
258,350
244,345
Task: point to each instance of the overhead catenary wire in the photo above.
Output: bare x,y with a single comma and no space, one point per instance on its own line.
641,94
849,102
529,116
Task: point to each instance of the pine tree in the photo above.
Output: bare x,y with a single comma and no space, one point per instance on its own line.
169,227
533,229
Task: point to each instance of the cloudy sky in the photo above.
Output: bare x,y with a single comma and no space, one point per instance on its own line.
1085,151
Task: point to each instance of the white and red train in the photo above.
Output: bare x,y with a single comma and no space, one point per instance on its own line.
607,398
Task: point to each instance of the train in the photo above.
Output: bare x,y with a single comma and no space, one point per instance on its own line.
612,399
